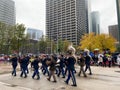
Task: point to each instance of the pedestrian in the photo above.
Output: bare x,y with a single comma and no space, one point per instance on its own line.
71,62
81,62
118,60
24,64
61,67
52,68
88,62
109,61
104,60
35,64
100,60
14,64
28,60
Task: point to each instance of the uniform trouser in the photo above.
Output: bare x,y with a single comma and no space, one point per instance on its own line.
46,70
82,70
27,69
36,72
61,70
52,74
23,72
71,75
14,69
66,69
88,67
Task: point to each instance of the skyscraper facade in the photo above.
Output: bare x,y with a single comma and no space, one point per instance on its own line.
34,34
7,12
95,22
118,14
66,19
113,31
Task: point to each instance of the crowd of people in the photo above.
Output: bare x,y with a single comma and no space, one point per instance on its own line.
60,65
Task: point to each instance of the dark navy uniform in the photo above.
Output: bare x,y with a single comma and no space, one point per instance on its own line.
35,64
28,60
87,62
14,65
24,64
61,67
71,61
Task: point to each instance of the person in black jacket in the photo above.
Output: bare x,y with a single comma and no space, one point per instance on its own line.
24,64
14,64
71,62
35,64
61,67
88,62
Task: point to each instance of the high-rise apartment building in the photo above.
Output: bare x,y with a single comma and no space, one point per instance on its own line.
118,14
66,19
7,12
113,31
95,22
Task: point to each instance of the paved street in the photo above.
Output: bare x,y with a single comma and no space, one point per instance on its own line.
102,79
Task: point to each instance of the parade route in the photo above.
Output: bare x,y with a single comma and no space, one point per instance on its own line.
102,79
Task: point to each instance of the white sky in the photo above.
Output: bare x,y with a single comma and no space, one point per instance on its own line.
32,13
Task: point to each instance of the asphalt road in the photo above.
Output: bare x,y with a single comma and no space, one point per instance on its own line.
102,79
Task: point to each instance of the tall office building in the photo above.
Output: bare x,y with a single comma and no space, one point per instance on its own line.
66,19
34,34
118,14
95,22
7,12
113,31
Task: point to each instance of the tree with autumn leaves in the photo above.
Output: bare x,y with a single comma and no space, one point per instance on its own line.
102,41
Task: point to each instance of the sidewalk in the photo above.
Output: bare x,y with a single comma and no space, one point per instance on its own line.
4,86
5,67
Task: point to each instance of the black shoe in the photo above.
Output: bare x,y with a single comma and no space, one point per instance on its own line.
20,75
63,77
90,73
74,85
15,75
48,79
66,82
32,77
38,78
12,74
25,77
85,76
54,81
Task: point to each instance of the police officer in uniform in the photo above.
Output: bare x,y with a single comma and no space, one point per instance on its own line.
24,64
71,62
14,64
35,64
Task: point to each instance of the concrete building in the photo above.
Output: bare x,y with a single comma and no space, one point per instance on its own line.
7,12
118,14
113,31
67,19
34,34
95,22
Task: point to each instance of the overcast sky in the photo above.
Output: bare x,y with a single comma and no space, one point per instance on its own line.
32,13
